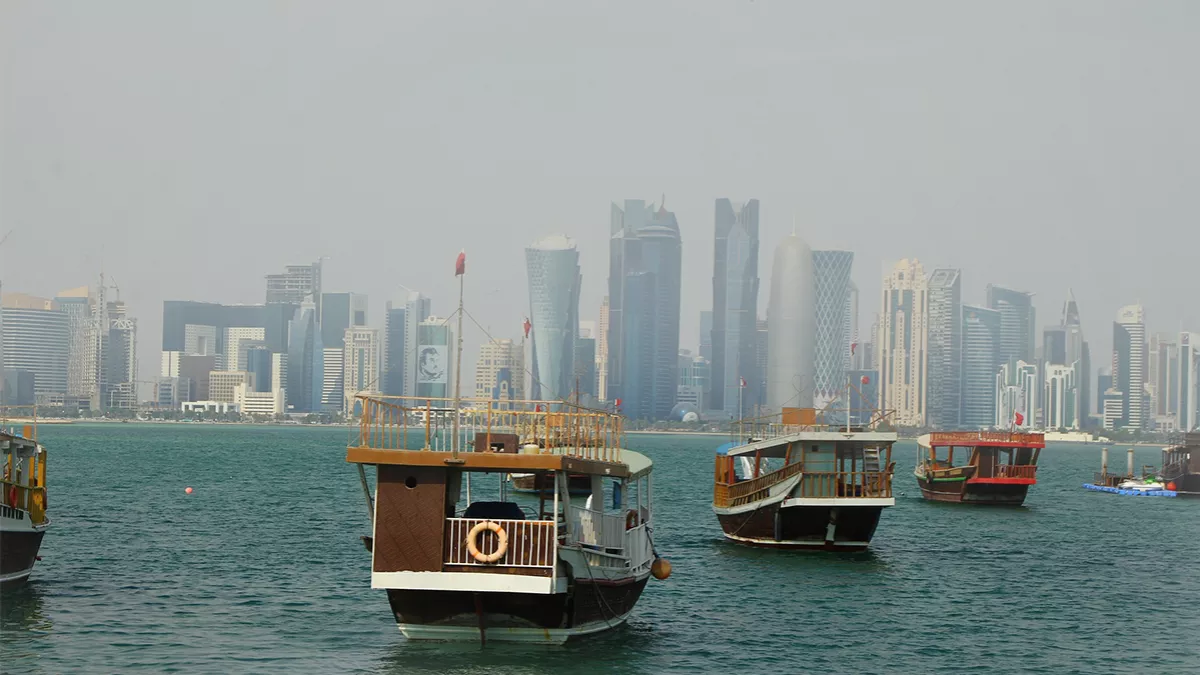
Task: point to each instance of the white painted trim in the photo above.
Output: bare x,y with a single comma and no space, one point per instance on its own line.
839,501
16,576
548,636
833,436
778,492
464,581
792,543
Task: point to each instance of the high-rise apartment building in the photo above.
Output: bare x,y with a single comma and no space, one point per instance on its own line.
498,371
903,347
791,327
1017,322
1188,382
945,348
552,264
222,383
360,364
731,335
645,264
295,285
85,365
831,276
239,340
1059,397
694,374
1129,366
119,387
980,347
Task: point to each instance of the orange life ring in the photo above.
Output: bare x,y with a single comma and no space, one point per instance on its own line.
473,546
631,520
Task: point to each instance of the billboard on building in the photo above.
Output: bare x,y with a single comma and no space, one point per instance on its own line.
432,364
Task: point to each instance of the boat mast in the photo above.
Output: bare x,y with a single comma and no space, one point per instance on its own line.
460,272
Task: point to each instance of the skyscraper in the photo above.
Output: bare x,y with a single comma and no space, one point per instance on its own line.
339,313
416,311
1078,355
980,346
305,360
1058,397
731,348
706,325
86,341
552,264
1129,366
120,384
360,364
945,348
1188,381
1017,322
37,340
831,278
791,327
238,341
498,371
904,343
393,350
297,283
583,382
645,263
1016,393
434,362
602,352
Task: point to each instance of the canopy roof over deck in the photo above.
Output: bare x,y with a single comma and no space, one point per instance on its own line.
631,465
777,447
991,439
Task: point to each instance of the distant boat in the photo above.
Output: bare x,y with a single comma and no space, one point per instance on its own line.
23,520
996,467
798,483
1181,465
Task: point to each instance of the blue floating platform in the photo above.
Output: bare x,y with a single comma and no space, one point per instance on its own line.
1130,493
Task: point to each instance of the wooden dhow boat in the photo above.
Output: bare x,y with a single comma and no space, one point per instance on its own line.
996,467
1181,465
23,519
462,559
792,480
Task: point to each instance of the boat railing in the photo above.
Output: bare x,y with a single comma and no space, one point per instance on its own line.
791,421
411,423
606,542
26,497
846,484
970,438
1016,471
531,543
640,550
746,491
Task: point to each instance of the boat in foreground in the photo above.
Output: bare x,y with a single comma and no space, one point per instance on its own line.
797,482
461,559
23,520
997,466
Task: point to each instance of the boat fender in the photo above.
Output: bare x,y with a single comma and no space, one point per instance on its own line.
631,519
660,568
12,496
501,542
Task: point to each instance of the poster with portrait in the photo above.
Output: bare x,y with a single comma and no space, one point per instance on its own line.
432,364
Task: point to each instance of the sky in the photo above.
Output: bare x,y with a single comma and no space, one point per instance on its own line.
189,149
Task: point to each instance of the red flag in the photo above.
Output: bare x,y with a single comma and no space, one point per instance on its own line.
853,346
617,403
743,382
1020,419
460,265
527,326
866,380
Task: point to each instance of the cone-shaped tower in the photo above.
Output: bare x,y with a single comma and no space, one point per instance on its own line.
791,327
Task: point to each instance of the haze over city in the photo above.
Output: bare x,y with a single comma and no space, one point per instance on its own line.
189,150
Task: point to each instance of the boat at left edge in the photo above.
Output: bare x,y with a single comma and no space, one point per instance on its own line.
23,519
464,565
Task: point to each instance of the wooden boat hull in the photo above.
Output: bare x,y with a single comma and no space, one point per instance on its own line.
974,491
19,545
1187,485
829,528
588,606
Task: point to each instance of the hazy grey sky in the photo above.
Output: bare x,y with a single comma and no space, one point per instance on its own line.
192,148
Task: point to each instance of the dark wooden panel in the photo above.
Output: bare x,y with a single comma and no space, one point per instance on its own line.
409,521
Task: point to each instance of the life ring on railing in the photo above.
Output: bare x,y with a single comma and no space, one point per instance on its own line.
631,520
501,546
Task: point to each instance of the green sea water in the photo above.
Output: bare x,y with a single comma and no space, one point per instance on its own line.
261,570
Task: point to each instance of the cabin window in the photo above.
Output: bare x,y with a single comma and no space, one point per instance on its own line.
410,482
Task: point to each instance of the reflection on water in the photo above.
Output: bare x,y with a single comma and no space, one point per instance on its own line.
867,560
22,622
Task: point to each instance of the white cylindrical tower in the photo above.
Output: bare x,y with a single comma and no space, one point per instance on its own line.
791,327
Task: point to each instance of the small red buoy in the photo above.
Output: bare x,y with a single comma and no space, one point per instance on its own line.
1171,486
188,490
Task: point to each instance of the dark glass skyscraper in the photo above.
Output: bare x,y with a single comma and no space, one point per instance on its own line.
732,340
393,351
645,258
1017,323
980,346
